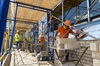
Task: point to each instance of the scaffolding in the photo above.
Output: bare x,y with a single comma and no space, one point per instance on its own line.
50,20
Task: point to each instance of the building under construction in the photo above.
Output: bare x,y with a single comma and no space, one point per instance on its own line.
49,32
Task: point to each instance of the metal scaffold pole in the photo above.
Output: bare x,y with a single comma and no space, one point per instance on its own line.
14,25
53,40
37,39
88,12
62,11
4,5
48,29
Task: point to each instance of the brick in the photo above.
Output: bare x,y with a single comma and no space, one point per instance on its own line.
95,54
71,46
61,52
60,46
96,62
94,46
88,64
66,40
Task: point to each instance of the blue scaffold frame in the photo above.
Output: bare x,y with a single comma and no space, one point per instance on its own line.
3,16
14,25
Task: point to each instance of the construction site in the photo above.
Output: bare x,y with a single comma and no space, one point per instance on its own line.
49,32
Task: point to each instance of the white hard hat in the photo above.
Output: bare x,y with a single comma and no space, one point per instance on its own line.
17,30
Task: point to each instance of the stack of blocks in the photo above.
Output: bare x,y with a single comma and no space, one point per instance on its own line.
87,57
66,43
95,48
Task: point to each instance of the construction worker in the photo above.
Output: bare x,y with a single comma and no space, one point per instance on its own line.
30,45
17,39
42,39
65,29
6,44
30,39
25,45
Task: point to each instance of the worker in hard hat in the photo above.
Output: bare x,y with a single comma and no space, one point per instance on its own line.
25,44
42,39
62,30
18,39
30,45
31,39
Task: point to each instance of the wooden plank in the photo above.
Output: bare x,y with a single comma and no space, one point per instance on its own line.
20,12
40,15
37,2
6,61
12,63
28,2
23,26
37,15
27,19
33,14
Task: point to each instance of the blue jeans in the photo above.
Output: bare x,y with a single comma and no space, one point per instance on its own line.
18,44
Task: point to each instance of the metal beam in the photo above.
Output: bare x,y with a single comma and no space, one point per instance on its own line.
21,28
53,40
23,22
89,24
4,5
88,12
62,11
85,20
26,19
34,7
31,8
14,25
48,15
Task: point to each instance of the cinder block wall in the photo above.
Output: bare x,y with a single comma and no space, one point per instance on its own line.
87,58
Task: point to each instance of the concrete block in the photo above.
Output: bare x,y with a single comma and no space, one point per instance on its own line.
66,40
60,46
96,62
94,46
61,52
87,59
88,65
95,54
71,46
44,53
